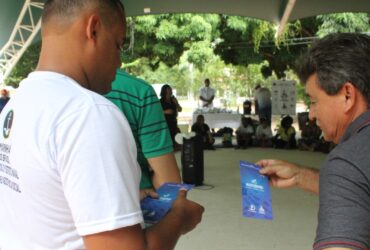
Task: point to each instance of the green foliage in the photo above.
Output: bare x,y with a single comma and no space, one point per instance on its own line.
344,22
166,30
237,23
261,31
199,29
163,49
200,53
235,52
26,65
144,24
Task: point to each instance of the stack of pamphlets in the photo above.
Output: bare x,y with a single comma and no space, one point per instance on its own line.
154,209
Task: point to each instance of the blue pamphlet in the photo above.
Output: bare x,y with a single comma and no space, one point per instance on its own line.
154,209
256,194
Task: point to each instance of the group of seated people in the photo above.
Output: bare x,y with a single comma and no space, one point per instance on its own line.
245,135
259,134
250,133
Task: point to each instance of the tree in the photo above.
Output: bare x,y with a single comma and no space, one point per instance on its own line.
164,38
344,22
183,49
25,65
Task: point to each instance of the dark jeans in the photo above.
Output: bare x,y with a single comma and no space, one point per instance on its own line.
265,112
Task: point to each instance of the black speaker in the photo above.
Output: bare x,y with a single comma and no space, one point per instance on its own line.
192,161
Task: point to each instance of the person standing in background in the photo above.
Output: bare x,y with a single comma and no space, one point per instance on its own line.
262,103
170,107
4,98
140,104
207,94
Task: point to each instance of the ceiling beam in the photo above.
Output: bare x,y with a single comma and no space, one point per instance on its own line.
285,17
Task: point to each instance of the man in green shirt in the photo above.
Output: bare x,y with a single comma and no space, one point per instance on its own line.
139,102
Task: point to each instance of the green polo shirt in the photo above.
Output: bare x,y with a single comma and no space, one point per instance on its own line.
140,104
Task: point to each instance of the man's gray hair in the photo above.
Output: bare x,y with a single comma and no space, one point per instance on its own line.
337,59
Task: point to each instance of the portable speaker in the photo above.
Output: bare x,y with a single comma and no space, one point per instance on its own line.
192,161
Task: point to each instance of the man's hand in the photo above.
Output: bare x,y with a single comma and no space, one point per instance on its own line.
189,212
148,192
281,174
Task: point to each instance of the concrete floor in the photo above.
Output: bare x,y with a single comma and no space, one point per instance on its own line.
224,228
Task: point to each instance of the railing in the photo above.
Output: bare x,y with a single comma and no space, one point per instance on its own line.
25,29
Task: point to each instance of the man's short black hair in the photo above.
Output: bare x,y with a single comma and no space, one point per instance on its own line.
68,9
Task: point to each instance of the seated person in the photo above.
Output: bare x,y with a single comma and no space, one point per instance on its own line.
227,139
310,136
244,133
285,137
263,134
227,136
202,129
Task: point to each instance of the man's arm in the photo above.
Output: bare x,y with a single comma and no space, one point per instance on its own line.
178,106
165,169
285,175
202,98
182,218
211,99
168,111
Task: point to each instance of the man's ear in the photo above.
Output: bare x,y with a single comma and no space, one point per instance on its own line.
93,27
350,95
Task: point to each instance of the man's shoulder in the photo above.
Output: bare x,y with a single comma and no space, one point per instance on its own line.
126,81
124,77
131,87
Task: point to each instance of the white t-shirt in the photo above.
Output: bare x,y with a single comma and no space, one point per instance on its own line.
67,166
263,97
207,93
245,130
261,131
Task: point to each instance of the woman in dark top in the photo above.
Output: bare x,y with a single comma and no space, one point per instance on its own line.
170,107
202,129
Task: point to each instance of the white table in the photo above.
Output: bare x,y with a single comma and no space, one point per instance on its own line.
220,120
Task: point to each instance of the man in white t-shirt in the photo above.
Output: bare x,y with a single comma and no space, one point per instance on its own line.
207,94
69,178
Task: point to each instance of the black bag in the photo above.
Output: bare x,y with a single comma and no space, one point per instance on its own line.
192,161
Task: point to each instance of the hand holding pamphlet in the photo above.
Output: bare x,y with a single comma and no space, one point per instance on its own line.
154,209
256,194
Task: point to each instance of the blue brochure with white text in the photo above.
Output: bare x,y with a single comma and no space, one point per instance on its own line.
154,209
256,195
